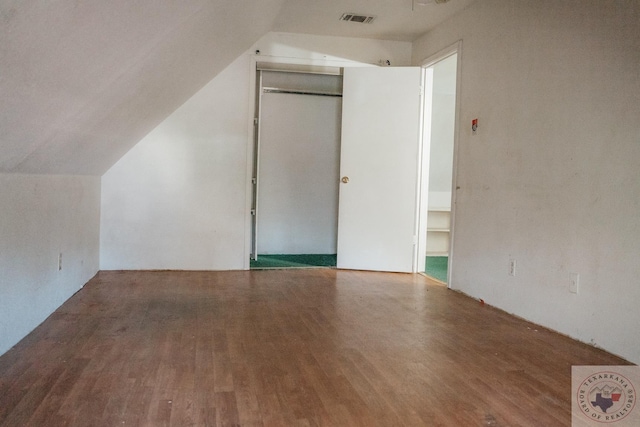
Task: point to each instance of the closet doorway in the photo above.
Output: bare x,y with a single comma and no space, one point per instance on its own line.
296,168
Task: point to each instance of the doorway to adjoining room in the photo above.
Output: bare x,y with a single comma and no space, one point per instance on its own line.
439,140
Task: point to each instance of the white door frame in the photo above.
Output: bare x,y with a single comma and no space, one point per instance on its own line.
323,66
421,232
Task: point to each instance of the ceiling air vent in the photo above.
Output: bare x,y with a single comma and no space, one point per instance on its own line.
354,17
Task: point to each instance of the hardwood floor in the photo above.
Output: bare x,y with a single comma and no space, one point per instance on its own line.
286,348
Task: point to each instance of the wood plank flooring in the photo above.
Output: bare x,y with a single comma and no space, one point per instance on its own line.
286,348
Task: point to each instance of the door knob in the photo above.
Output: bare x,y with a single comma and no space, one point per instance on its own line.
345,179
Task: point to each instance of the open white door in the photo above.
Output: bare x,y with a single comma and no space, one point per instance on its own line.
381,120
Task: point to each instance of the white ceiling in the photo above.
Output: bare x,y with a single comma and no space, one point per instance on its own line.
82,81
395,19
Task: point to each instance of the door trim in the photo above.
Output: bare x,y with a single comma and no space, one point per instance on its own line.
455,48
302,65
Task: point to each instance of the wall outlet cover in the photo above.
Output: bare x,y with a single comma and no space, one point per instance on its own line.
574,282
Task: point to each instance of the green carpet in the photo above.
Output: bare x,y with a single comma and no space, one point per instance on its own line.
293,261
436,267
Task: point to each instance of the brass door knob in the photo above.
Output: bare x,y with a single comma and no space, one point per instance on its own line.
345,179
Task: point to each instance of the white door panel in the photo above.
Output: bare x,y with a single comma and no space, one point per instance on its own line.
379,155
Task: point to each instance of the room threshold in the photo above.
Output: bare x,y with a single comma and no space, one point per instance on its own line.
287,261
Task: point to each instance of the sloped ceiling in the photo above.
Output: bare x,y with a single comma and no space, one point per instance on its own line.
82,81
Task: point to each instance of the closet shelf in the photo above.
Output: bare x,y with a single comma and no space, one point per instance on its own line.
438,231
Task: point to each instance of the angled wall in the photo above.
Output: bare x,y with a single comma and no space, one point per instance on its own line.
551,178
84,81
177,199
42,217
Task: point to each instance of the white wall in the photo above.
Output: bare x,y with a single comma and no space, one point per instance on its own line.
41,217
551,178
178,199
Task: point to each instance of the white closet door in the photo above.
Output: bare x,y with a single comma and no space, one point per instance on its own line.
379,159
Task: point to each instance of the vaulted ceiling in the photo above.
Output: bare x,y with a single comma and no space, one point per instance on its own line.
82,81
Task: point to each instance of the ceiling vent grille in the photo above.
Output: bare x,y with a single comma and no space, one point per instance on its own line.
354,17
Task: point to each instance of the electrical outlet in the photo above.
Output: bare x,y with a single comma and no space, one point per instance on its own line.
60,261
512,267
574,282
